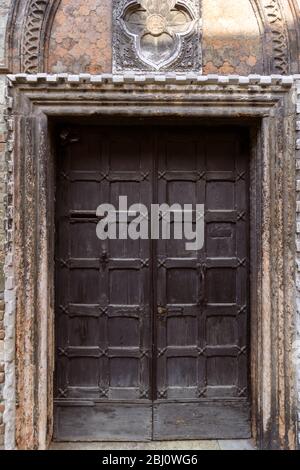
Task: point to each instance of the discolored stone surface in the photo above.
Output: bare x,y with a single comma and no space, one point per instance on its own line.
4,12
276,268
152,446
2,237
81,37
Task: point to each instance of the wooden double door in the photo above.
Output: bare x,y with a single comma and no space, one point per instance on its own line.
152,339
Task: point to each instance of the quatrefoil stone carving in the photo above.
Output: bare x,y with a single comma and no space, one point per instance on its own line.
155,35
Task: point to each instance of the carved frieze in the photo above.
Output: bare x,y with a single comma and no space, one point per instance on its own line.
154,35
279,34
31,42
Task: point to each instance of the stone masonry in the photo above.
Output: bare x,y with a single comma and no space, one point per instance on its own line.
118,79
297,343
4,11
2,183
2,173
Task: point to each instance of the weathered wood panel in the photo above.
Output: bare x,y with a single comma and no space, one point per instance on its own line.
103,421
201,420
148,319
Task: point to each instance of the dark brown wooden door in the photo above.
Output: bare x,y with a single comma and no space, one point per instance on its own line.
152,339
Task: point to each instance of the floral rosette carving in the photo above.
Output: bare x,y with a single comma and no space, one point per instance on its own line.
158,27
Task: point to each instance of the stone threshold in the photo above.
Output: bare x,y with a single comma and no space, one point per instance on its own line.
240,444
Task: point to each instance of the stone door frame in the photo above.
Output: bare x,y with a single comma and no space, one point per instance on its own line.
34,102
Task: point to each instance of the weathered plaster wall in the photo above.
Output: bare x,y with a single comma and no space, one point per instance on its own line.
231,38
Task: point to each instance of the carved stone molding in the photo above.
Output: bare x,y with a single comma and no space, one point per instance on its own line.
31,41
154,35
270,101
279,34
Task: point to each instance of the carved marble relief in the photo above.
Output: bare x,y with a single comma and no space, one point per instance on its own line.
279,33
35,15
154,35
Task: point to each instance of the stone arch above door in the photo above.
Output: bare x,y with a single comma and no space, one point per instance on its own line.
249,36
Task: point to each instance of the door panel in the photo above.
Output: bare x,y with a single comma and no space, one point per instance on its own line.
202,419
103,294
179,364
202,342
152,339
